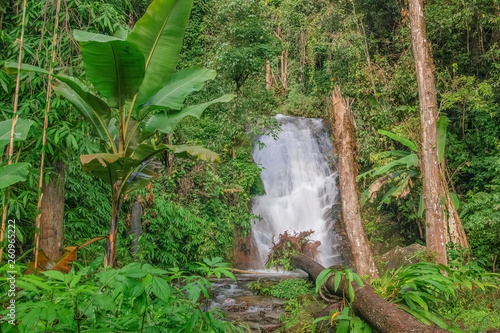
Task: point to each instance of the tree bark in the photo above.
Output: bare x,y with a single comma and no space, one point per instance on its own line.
435,235
135,227
380,314
52,213
345,143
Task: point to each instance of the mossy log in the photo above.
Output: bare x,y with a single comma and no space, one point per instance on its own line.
380,314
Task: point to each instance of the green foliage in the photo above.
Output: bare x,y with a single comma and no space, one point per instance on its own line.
131,299
344,322
287,288
348,275
426,290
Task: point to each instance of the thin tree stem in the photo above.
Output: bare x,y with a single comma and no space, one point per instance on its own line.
10,150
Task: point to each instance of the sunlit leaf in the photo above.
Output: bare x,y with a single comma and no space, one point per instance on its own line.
115,67
408,143
166,121
179,86
158,35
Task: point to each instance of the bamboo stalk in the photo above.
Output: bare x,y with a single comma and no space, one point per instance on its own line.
10,149
45,126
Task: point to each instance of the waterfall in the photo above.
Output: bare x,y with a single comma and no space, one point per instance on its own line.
300,187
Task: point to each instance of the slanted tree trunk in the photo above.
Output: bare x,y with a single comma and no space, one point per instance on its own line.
380,314
345,143
435,235
52,213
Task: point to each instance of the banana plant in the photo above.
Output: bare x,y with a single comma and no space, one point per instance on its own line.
139,93
401,173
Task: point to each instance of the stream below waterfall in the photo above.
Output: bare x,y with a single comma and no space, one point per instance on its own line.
300,183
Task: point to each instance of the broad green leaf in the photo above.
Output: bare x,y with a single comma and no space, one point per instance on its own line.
410,161
161,289
108,167
115,67
13,173
165,122
442,125
142,175
20,131
322,278
336,282
358,280
179,86
350,289
92,108
408,143
455,200
421,205
104,302
195,151
158,35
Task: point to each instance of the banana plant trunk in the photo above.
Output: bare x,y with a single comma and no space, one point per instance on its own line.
113,230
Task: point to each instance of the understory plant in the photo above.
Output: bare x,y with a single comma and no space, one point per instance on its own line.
344,320
135,298
436,294
134,93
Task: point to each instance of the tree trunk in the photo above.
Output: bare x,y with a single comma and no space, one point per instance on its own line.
135,227
435,235
109,260
456,233
52,213
269,77
380,314
345,143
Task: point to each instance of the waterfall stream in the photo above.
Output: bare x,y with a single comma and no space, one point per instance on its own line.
300,187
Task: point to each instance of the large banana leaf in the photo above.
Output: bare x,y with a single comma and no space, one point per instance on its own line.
146,151
408,143
92,108
142,175
115,67
13,173
410,161
158,35
20,132
179,86
166,121
109,167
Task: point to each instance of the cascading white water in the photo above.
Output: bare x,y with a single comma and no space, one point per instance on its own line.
300,187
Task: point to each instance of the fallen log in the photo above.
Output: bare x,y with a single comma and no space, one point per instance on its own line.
380,314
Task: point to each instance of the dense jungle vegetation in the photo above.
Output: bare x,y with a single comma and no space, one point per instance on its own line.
270,57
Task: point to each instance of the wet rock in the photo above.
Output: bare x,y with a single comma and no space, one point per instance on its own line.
401,256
